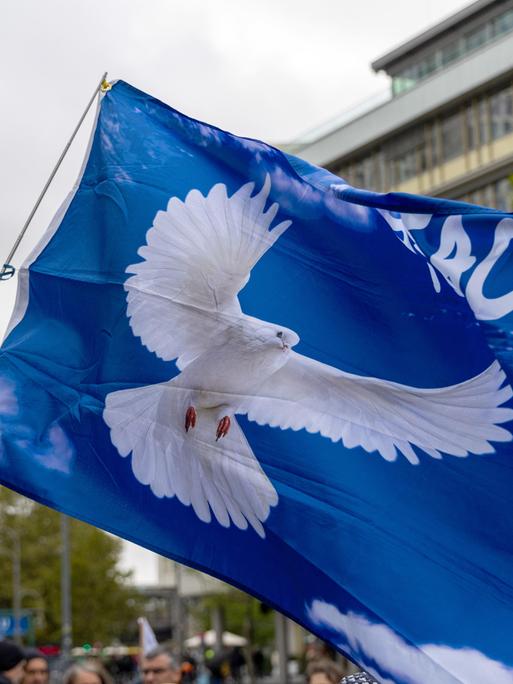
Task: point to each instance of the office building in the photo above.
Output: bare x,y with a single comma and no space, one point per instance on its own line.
446,126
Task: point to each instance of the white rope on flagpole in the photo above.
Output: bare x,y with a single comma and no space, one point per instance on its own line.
8,269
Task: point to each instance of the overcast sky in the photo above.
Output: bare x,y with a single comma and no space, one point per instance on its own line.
269,69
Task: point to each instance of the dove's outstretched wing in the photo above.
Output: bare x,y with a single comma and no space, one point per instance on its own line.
182,299
384,416
198,256
223,478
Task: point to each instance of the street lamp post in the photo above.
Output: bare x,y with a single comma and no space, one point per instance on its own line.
16,587
15,554
66,629
178,632
280,626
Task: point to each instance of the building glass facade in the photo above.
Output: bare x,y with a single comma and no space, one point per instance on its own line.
498,195
471,127
456,47
451,138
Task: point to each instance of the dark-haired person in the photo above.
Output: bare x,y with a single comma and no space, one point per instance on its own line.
36,667
12,662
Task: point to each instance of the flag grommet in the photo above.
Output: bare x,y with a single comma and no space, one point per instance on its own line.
7,272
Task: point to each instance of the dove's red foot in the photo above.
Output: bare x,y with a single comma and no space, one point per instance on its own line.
222,427
190,418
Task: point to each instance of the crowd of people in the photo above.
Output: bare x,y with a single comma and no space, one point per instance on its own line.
30,666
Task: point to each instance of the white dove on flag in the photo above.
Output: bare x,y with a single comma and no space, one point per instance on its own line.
183,435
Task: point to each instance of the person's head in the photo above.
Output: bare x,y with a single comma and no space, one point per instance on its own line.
12,661
87,672
160,667
324,672
36,668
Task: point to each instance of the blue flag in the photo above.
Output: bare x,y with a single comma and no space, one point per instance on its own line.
235,359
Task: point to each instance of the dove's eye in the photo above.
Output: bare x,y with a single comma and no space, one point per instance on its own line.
279,334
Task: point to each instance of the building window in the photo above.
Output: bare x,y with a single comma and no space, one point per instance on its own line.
470,127
452,136
422,156
476,197
452,52
482,34
435,143
484,122
503,23
405,80
489,195
504,194
478,37
498,195
364,173
501,113
379,169
406,155
427,66
349,173
404,167
340,171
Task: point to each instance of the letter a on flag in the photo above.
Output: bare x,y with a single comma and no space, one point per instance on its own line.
233,358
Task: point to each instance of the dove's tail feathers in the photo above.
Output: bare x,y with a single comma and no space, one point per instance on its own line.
228,476
139,425
221,477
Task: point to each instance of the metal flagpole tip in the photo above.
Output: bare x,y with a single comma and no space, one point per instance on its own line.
7,272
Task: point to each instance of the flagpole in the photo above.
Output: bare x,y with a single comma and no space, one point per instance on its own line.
8,269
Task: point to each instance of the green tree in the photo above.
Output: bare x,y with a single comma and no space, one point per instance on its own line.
243,614
104,605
